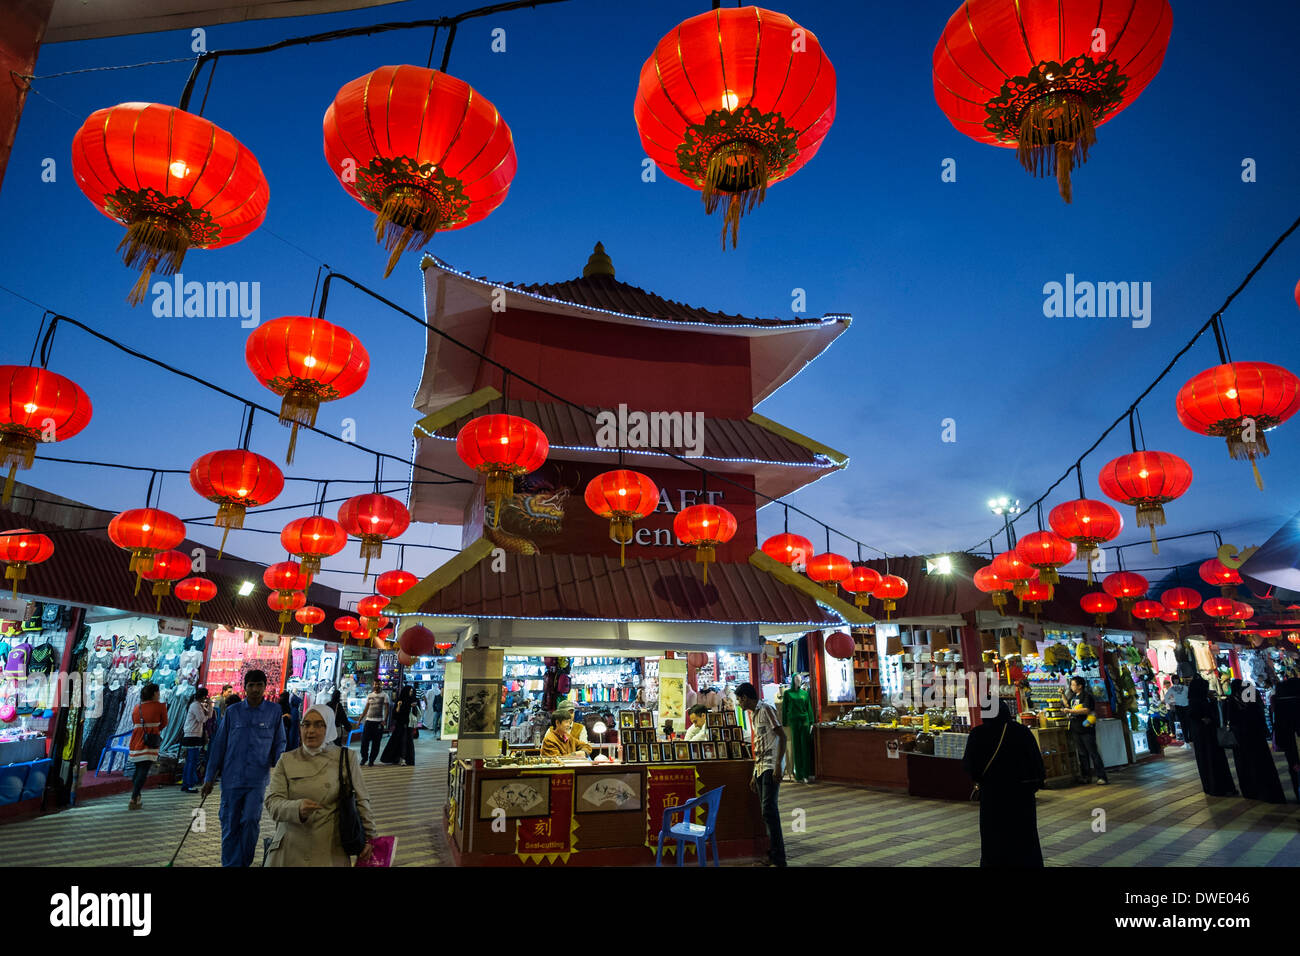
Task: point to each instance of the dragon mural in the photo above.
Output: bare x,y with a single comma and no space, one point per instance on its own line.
535,510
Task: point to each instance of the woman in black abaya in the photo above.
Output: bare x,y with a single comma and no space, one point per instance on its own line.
1200,720
400,746
1003,759
1256,771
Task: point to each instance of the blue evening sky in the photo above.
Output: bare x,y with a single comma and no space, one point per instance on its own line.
944,280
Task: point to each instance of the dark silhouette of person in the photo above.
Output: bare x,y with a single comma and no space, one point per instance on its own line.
1256,771
1200,720
1003,759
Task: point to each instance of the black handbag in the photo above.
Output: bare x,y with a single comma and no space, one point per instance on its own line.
1227,736
351,833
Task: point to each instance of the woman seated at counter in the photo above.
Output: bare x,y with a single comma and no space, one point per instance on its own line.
560,740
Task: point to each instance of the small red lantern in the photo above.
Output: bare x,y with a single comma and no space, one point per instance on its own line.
839,646
383,636
1181,600
347,626
39,406
1086,523
705,527
1220,575
308,616
1240,401
501,447
311,539
1241,611
374,519
195,592
890,590
1171,616
861,582
1148,610
394,584
20,549
1146,480
306,361
166,568
1098,604
1009,566
623,497
1219,608
988,581
697,660
285,576
829,569
236,479
371,606
285,603
1126,586
1035,593
1046,551
145,532
789,549
417,640
174,180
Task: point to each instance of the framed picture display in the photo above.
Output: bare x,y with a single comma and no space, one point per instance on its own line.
643,753
682,750
667,751
523,797
626,719
655,753
708,751
730,718
479,702
645,720
607,792
695,751
737,750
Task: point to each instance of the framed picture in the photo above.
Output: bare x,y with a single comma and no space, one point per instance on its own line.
708,751
607,792
681,750
695,751
713,719
643,753
626,719
730,718
479,703
667,752
645,719
522,797
629,752
655,753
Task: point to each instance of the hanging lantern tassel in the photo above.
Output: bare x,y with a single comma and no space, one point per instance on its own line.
1149,516
1048,576
372,546
192,608
1099,620
737,174
1056,131
1087,552
153,243
16,572
298,407
17,451
409,216
1000,602
890,606
620,530
159,589
704,553
500,485
1239,448
229,515
862,598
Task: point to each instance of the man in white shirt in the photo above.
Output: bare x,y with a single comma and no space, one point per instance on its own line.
373,718
767,739
699,719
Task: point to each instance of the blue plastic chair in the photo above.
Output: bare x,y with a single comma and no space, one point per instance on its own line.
36,776
13,777
352,735
701,834
110,748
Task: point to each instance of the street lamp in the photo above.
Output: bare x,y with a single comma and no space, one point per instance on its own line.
1006,507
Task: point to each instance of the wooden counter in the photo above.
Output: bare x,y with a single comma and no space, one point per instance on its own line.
942,778
860,756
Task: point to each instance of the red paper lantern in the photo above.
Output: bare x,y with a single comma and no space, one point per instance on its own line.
1086,523
372,605
285,576
1009,566
1148,610
1219,608
166,568
890,590
697,660
1181,599
394,584
1035,593
374,519
839,646
145,532
501,447
622,496
1146,480
789,549
417,640
829,569
1220,575
195,592
22,548
306,361
308,616
405,659
1239,402
861,582
1046,551
285,603
347,626
1126,586
1241,611
705,527
732,101
422,149
1171,616
383,636
1041,76
1098,604
236,479
988,580
311,539
39,406
174,180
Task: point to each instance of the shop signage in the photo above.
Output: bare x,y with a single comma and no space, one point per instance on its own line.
666,787
174,628
451,701
554,837
268,640
13,609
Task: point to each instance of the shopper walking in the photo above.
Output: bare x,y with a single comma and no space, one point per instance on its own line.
247,745
194,737
373,719
1286,725
767,743
148,719
224,701
1200,721
1083,729
1256,772
1003,760
437,713
401,747
303,797
342,723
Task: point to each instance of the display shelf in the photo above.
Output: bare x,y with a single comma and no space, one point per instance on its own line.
866,666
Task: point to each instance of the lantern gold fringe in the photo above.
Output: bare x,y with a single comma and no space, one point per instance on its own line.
408,217
1056,131
1048,576
154,243
500,485
1000,602
229,515
1149,516
862,598
704,554
16,451
160,590
1239,448
297,407
16,572
620,531
1086,554
372,546
192,608
737,175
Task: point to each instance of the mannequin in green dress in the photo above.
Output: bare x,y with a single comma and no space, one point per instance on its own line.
797,715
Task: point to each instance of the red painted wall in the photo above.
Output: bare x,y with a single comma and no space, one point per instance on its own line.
20,41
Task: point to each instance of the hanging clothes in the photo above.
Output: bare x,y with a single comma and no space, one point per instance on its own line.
797,716
101,728
177,701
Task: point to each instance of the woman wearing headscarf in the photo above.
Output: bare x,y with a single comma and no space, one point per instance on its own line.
1200,720
1003,759
1256,772
303,798
401,747
1286,725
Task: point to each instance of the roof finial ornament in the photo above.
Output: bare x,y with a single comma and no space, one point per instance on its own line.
599,264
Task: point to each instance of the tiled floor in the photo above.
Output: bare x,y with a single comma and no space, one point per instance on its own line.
1153,815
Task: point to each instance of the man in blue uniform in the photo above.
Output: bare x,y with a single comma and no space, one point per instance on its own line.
247,744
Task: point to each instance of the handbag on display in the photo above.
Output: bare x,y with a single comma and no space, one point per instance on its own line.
351,833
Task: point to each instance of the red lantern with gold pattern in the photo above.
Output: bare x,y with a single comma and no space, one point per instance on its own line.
732,101
372,606
1010,567
166,568
145,532
347,626
623,497
704,527
861,582
1240,401
789,549
1125,586
890,590
1046,551
987,580
374,519
1098,604
285,603
195,592
501,448
1220,575
1146,480
1086,523
417,640
311,539
306,361
1220,609
394,584
840,646
829,569
308,616
175,180
19,549
235,479
423,150
1148,610
285,576
38,406
1041,76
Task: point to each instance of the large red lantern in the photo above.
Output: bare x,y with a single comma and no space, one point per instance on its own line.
1146,480
987,580
861,582
501,447
1148,610
1220,575
168,567
394,584
704,527
145,532
697,660
372,606
1086,523
1098,604
1046,551
1241,611
829,569
347,626
374,519
308,616
1125,586
417,640
1010,567
19,549
622,496
732,101
195,592
174,180
422,149
840,646
38,406
789,549
1240,401
890,590
1220,609
285,603
236,479
1041,76
285,576
306,361
1182,601
311,539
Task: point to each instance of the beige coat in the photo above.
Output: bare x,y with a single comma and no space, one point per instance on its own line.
299,776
